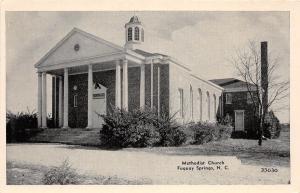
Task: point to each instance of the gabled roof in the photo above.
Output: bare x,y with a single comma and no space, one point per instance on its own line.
223,81
233,84
83,33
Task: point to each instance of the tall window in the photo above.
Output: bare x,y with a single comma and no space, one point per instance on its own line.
136,33
200,103
129,34
191,103
142,34
228,98
215,105
249,98
181,102
75,100
208,105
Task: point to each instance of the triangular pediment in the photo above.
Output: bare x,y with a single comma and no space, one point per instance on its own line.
78,45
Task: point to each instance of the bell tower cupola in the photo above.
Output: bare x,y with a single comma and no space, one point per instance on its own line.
134,33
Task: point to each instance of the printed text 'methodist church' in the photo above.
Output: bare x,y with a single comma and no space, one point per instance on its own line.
92,75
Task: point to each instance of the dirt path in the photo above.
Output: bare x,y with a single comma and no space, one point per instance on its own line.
159,168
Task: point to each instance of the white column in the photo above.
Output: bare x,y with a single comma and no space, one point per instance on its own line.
60,102
39,100
54,110
44,101
142,87
158,90
66,99
125,84
151,84
118,84
90,97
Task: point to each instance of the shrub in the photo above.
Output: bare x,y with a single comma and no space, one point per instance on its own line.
206,132
62,175
123,129
20,126
272,126
143,135
139,129
170,131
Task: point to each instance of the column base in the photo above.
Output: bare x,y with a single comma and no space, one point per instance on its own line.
66,127
89,127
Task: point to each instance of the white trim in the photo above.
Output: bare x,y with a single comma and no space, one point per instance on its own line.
107,69
132,53
208,82
178,63
134,59
238,89
82,61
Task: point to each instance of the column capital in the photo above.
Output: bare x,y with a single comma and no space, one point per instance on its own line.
118,61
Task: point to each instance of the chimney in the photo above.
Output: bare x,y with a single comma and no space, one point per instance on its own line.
264,75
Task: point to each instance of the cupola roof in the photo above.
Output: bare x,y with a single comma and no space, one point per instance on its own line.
134,19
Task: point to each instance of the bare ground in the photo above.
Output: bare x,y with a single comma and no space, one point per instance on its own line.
159,165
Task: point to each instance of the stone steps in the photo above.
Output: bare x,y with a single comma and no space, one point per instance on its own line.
76,136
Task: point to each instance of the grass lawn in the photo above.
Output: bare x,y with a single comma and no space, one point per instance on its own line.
27,174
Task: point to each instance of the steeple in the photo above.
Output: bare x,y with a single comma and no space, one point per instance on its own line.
134,33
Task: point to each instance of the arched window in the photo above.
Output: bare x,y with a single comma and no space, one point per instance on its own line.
129,34
181,102
136,33
215,105
208,105
200,104
191,103
142,34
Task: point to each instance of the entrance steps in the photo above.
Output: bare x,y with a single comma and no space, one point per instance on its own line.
74,136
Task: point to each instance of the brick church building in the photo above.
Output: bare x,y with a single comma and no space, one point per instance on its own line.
90,75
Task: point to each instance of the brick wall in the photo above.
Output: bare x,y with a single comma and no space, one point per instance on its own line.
164,87
78,115
134,88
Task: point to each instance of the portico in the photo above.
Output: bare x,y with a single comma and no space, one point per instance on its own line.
120,65
112,58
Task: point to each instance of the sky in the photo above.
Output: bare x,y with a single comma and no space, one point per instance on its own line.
204,41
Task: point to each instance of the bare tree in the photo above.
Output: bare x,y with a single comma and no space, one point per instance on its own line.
247,62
